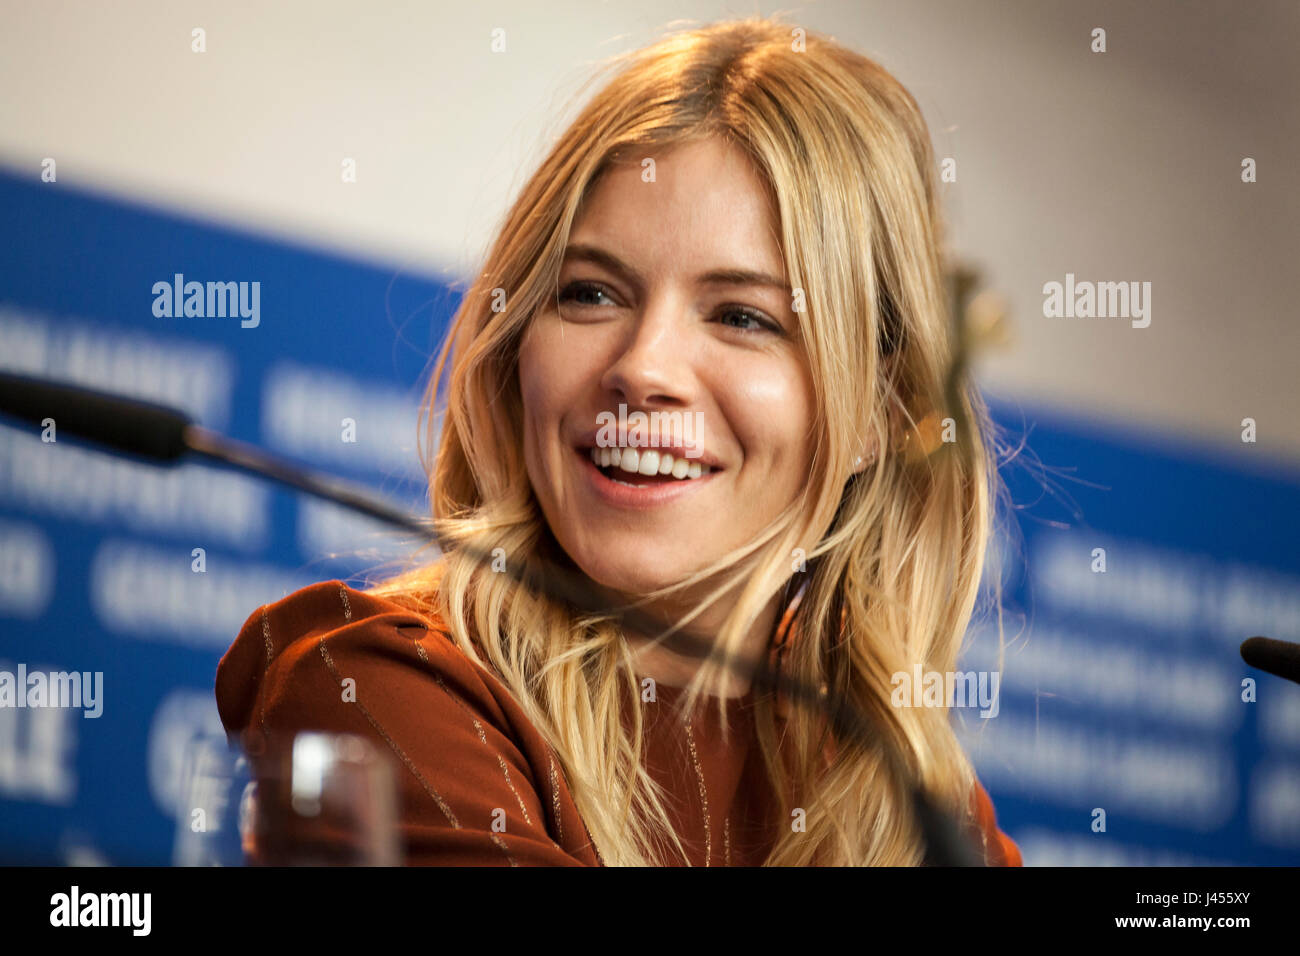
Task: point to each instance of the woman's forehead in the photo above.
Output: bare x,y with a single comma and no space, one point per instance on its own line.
700,205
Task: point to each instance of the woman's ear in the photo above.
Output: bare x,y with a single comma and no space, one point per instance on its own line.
868,456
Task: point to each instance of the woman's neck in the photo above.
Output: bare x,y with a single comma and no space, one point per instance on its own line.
673,669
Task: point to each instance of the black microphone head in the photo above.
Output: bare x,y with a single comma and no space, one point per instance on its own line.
1279,658
128,425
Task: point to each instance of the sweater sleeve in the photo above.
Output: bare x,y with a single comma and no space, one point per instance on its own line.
477,784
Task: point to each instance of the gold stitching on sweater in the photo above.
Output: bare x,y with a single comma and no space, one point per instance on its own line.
555,795
410,765
600,860
266,636
505,769
501,761
704,796
498,841
270,653
726,837
347,605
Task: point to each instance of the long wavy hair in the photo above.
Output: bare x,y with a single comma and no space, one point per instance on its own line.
891,561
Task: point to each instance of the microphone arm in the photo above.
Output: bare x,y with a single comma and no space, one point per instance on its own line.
245,457
161,435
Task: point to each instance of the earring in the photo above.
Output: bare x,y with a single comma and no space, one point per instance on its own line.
922,441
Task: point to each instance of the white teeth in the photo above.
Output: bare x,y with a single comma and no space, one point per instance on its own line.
647,462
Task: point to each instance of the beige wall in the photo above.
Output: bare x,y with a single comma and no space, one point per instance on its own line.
1115,166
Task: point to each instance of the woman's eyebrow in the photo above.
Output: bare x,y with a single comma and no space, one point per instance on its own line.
583,252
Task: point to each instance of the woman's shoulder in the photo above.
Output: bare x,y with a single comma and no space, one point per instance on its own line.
333,639
334,603
479,783
326,607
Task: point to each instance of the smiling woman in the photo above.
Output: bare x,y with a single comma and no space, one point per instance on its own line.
670,337
740,230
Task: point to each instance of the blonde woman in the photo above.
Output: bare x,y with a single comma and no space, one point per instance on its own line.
688,369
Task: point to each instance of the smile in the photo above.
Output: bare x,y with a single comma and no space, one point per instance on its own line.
646,463
638,480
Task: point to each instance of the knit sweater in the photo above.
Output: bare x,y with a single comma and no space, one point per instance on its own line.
478,784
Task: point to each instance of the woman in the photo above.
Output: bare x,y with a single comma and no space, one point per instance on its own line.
689,369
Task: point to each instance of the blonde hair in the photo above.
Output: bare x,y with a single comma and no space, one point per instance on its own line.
893,558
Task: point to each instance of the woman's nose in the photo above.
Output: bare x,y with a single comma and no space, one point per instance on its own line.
654,365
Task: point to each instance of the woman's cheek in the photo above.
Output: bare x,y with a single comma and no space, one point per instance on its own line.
769,410
541,376
533,377
561,360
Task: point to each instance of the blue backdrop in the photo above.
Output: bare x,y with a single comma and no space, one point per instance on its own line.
1122,686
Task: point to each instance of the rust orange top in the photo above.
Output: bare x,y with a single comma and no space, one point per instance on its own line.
467,754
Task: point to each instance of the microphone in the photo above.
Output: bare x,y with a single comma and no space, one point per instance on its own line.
1279,658
160,435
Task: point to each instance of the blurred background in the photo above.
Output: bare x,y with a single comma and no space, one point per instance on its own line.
354,160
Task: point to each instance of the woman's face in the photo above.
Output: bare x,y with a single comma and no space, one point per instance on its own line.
673,303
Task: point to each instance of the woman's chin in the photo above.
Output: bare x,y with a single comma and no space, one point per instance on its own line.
633,575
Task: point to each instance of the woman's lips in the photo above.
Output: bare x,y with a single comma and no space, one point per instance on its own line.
627,489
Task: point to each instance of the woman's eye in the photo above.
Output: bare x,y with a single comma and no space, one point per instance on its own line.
746,320
587,295
576,291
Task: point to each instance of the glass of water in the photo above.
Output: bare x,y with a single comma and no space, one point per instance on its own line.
311,799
